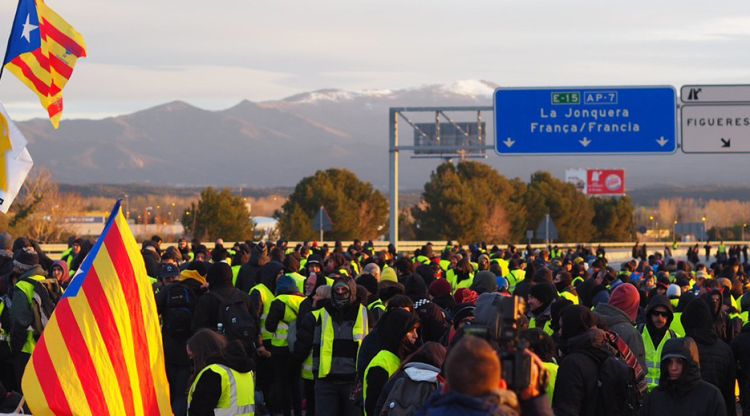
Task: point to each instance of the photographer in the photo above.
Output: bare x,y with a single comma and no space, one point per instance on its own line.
474,386
521,372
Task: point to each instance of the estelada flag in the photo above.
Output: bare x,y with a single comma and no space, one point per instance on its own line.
42,51
15,160
101,351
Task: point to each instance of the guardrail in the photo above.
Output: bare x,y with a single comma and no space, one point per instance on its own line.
56,250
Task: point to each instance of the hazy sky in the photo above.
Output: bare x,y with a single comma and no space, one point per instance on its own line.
213,54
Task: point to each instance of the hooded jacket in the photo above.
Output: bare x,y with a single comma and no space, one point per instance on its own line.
393,327
65,278
576,383
717,363
657,334
208,389
741,349
688,395
502,403
617,321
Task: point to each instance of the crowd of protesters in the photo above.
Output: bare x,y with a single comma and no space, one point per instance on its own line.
272,328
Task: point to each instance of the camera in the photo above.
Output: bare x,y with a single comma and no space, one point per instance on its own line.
501,331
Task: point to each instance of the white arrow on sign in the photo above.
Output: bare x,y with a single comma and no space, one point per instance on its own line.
662,141
585,142
509,142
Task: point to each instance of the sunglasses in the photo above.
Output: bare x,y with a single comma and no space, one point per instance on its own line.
660,313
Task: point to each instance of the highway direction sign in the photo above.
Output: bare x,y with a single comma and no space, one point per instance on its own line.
585,120
702,94
716,128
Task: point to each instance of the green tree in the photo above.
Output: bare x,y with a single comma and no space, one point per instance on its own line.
613,219
570,210
356,209
218,214
470,202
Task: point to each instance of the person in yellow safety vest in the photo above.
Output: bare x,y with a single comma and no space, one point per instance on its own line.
28,297
75,249
462,276
398,336
261,295
223,376
655,334
334,335
541,296
503,263
564,284
291,265
542,344
282,322
316,292
483,262
516,274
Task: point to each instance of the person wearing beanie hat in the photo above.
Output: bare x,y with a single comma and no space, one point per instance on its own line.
281,317
484,282
375,306
25,259
673,294
440,290
388,275
541,296
619,316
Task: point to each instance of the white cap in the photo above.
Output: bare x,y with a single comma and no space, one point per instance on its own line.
674,291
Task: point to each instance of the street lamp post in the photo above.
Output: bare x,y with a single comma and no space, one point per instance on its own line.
674,231
705,233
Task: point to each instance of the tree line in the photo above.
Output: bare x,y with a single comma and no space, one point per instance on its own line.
468,201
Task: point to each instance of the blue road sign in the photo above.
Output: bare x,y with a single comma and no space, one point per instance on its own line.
585,120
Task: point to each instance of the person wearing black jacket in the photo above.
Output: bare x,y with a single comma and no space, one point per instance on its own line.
398,336
681,390
585,348
716,358
249,274
206,314
176,302
208,348
741,349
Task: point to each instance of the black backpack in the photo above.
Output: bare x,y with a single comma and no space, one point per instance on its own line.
618,392
178,312
234,315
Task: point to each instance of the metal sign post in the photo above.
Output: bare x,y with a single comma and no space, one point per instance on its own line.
461,140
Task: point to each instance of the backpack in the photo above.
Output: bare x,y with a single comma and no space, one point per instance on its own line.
178,313
407,396
42,304
235,316
621,383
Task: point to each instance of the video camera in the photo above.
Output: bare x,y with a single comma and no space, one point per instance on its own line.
502,333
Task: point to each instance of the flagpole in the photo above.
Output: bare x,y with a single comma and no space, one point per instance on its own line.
2,67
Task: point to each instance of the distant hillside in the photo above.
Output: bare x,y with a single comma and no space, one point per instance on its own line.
276,143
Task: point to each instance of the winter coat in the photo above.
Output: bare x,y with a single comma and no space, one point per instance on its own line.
453,403
687,396
576,384
415,371
717,363
741,350
616,321
208,389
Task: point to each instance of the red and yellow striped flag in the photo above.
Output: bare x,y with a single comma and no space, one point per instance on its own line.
101,352
42,51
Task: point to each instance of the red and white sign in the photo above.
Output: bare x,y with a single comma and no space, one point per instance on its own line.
605,182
